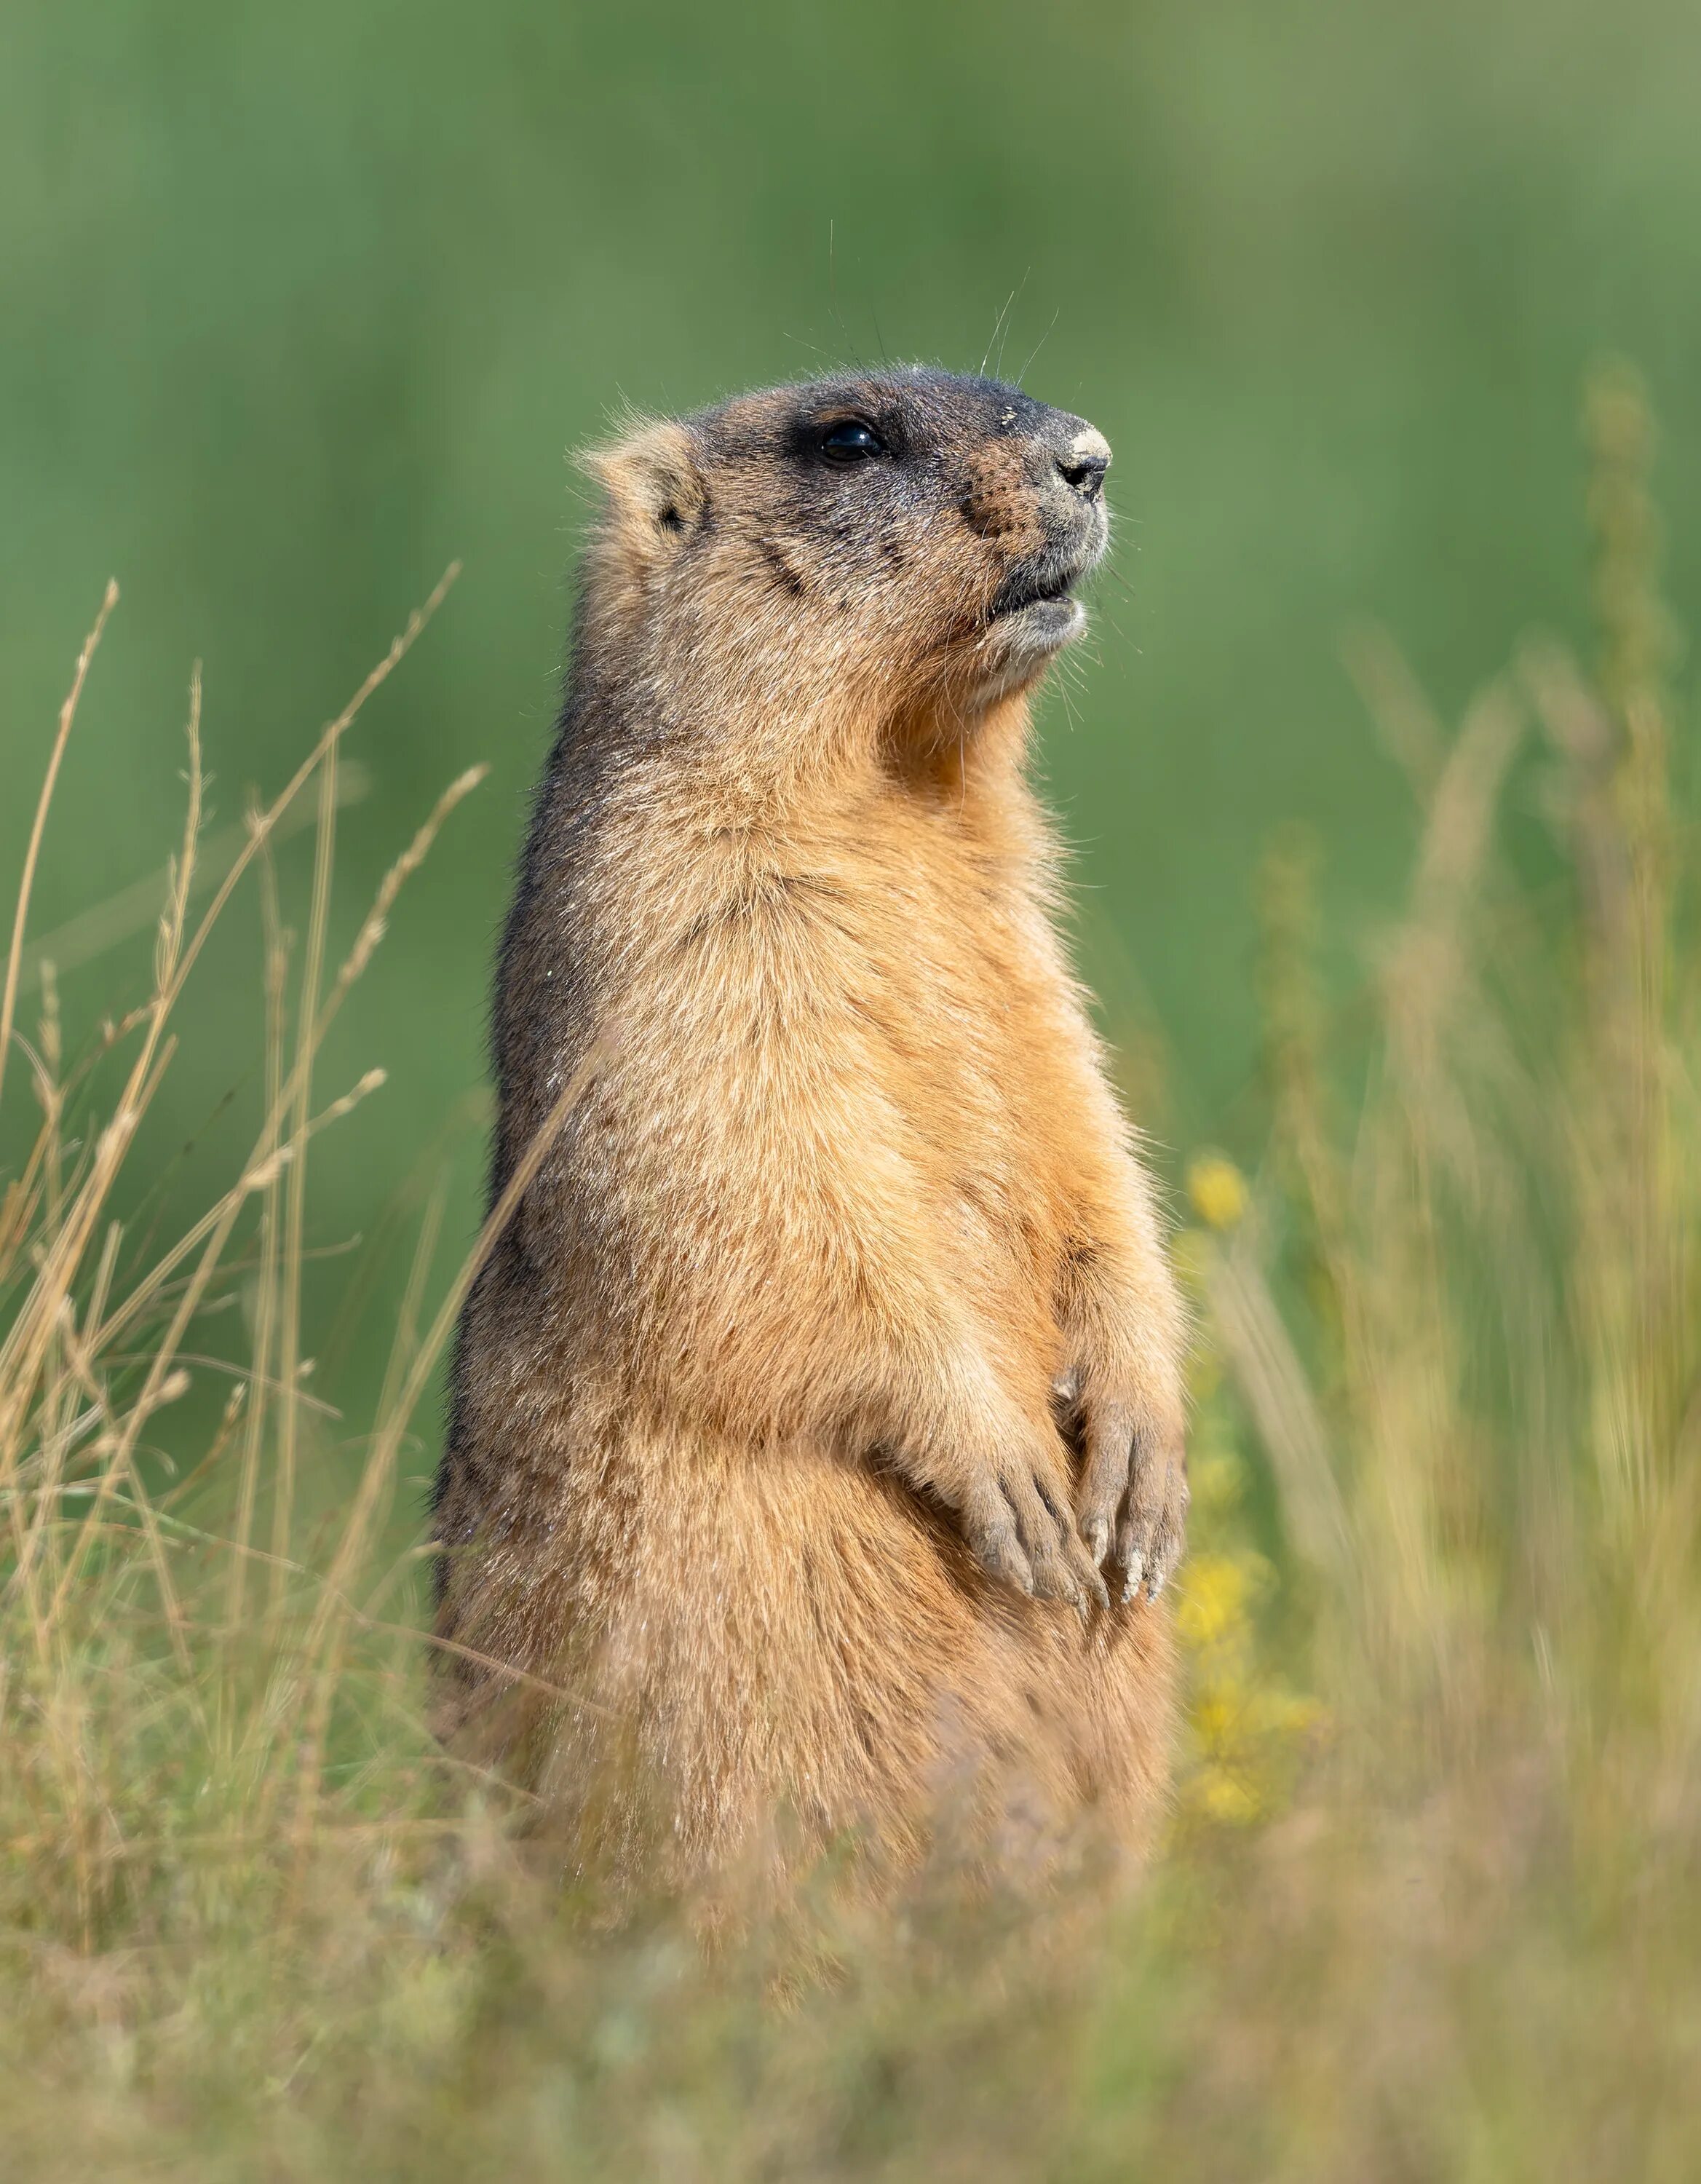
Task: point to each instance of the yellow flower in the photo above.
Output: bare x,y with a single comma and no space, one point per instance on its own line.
1218,1596
1227,1797
1219,1718
1218,1190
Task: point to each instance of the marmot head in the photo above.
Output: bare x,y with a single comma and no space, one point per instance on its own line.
903,540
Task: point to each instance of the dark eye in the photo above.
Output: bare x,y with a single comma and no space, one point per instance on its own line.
851,441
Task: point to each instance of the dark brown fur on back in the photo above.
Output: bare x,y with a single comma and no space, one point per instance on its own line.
816,1430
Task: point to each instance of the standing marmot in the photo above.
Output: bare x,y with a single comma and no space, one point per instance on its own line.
832,1354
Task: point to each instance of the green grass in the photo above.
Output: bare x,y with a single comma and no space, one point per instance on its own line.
1428,1905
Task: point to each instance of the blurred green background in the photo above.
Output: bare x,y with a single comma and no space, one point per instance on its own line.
300,303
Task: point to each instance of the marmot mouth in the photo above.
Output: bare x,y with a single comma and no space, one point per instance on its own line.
1039,587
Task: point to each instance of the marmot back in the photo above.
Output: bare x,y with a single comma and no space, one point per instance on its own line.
815,1442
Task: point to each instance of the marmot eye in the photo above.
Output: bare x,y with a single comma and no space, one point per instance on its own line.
851,441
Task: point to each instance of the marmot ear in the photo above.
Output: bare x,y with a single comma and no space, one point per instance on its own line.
654,487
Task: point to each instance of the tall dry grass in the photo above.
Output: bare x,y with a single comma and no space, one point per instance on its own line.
1430,1905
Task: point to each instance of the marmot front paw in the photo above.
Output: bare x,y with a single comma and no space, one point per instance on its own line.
1016,1524
1133,1489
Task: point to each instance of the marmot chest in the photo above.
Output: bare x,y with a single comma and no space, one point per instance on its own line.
937,997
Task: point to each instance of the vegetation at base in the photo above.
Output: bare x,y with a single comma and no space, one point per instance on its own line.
1430,1902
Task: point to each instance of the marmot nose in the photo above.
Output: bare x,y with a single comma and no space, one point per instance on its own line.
1083,462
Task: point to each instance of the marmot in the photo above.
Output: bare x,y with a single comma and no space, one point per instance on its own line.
832,1362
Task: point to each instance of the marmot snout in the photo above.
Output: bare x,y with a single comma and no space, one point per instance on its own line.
817,1424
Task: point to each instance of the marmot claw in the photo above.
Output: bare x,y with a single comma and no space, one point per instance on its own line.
1018,1529
1135,1483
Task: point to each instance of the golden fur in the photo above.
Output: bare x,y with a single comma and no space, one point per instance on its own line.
832,1360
